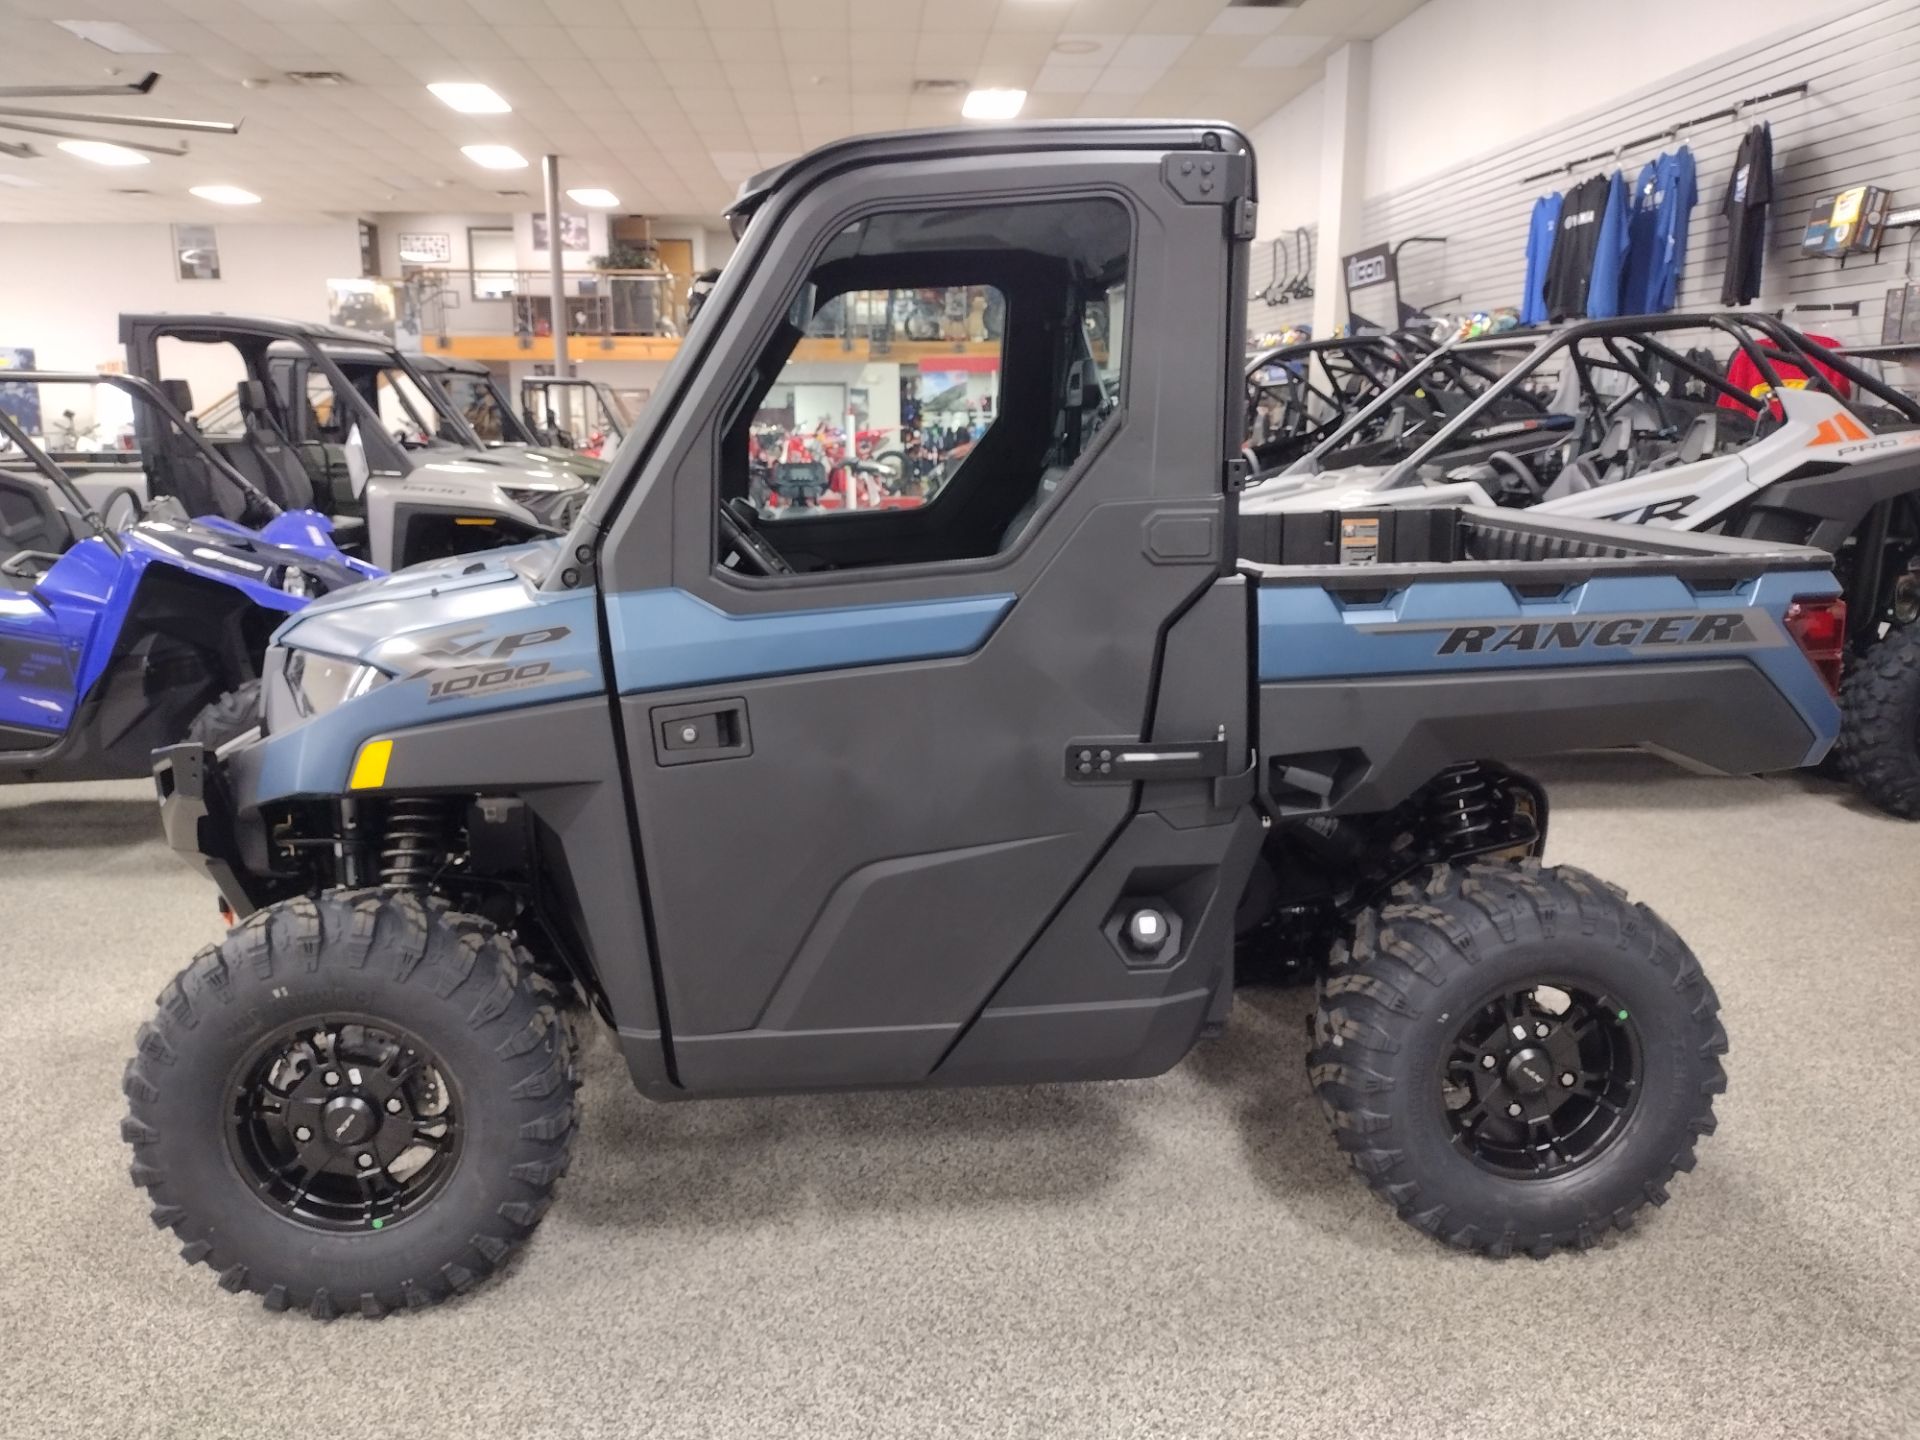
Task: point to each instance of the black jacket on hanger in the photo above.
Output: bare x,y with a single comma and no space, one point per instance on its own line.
1570,270
1749,192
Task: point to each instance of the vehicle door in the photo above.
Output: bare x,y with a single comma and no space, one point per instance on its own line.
893,751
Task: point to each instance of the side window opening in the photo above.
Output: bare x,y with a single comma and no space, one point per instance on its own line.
938,375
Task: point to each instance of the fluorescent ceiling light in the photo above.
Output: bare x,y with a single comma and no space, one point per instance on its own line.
112,35
100,152
993,104
470,98
495,157
225,194
595,199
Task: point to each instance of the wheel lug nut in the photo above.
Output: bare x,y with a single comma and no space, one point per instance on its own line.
332,1077
1541,1031
1514,1109
1567,1078
393,1105
302,1134
363,1161
1487,1062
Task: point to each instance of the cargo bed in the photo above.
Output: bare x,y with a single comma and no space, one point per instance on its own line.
1394,643
1368,548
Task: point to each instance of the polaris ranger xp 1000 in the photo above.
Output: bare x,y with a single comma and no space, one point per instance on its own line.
978,791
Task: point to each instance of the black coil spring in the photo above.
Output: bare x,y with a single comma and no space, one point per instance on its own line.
1462,806
414,844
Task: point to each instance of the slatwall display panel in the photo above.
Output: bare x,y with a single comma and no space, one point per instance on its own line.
1859,123
1266,264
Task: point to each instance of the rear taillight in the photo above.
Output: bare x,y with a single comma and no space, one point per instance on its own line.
1818,625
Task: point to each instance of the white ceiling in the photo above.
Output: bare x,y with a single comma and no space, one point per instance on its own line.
668,103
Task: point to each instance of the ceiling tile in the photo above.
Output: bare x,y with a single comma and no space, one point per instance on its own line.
1283,52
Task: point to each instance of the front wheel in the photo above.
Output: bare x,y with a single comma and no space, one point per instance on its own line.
356,1102
1517,1057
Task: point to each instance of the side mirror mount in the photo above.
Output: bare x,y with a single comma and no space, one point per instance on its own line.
357,468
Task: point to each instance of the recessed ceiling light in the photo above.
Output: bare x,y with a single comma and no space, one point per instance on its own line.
225,194
100,152
993,104
470,98
595,199
495,157
111,35
19,182
1076,47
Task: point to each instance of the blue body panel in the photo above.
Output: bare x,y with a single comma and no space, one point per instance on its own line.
1306,632
430,622
663,639
57,639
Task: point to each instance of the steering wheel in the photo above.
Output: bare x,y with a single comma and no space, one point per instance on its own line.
1517,474
740,523
411,439
132,497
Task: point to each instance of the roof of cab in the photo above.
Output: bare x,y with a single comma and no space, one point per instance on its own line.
989,140
215,320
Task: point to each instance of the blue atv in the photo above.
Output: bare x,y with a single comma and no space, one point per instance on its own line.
118,639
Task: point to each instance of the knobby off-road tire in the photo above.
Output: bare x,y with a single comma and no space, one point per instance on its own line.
1879,747
234,713
1422,965
358,959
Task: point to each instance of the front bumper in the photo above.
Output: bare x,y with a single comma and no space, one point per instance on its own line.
197,812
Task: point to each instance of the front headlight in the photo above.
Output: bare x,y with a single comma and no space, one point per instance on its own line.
317,684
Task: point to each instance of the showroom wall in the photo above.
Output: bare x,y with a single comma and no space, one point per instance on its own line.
62,287
1439,120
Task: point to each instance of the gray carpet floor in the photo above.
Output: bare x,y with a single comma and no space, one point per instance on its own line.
1179,1257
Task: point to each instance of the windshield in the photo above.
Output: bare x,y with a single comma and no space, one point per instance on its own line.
477,399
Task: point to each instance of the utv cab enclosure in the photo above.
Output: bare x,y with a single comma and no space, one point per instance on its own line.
999,788
311,435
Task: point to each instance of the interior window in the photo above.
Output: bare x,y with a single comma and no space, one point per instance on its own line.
494,262
937,378
213,370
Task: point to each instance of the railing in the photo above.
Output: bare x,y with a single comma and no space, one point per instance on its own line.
442,304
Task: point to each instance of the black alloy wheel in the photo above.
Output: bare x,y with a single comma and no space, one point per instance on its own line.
1541,1079
340,1124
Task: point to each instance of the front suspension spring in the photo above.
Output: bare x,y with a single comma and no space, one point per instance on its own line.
414,845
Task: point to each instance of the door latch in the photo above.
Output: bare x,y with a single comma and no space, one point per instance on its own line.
704,730
1122,762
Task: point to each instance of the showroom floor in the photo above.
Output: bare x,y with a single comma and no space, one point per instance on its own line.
1180,1257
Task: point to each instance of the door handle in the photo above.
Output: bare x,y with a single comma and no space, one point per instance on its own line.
702,730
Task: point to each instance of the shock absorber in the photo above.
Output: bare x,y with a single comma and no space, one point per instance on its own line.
1462,808
414,845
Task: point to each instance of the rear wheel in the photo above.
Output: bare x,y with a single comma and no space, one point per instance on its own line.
1879,749
232,715
1517,1057
356,1102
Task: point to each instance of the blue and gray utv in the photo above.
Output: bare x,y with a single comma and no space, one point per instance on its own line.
1001,787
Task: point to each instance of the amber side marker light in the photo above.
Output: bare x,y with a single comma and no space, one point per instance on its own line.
1818,624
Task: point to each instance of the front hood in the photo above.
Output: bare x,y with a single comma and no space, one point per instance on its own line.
483,469
359,623
221,550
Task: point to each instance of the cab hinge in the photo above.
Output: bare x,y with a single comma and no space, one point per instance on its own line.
1236,473
1210,177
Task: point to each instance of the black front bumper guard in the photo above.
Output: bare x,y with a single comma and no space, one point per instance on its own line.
197,813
